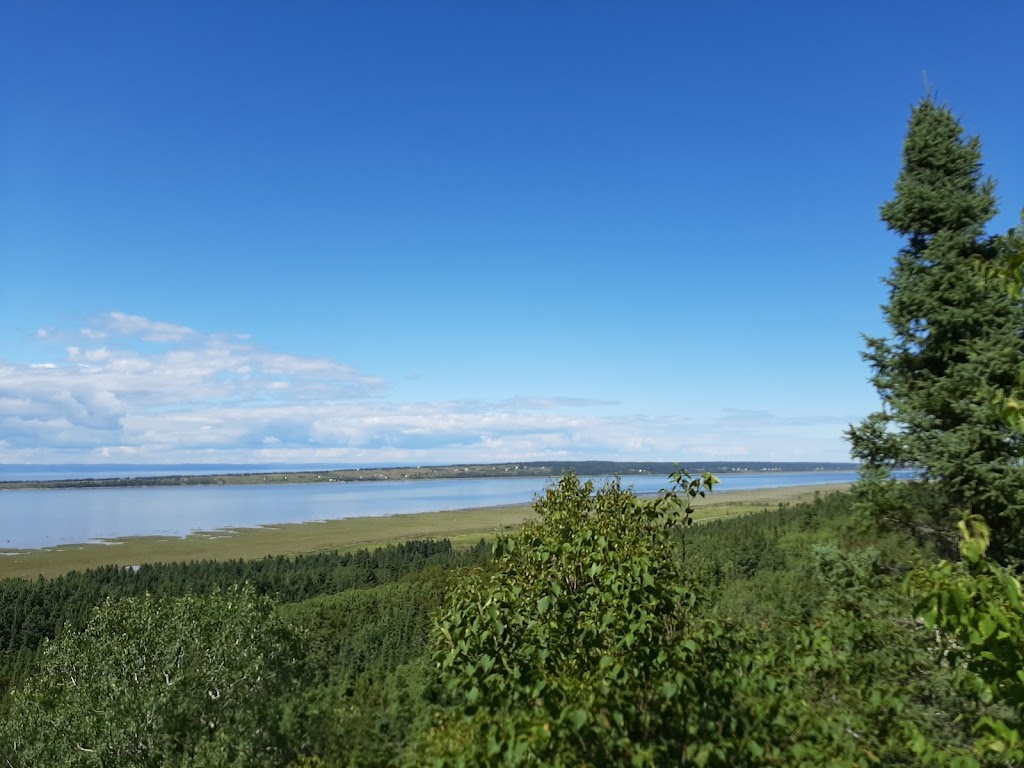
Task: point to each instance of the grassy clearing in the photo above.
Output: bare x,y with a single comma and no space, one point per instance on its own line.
463,527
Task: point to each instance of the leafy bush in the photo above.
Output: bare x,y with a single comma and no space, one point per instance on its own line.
191,681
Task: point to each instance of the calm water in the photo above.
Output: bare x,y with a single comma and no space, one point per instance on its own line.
42,472
46,518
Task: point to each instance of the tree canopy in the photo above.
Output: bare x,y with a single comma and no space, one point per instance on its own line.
954,352
579,647
152,682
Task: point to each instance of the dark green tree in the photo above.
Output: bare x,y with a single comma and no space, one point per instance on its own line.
954,352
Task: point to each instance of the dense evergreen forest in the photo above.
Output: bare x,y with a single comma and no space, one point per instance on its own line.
884,626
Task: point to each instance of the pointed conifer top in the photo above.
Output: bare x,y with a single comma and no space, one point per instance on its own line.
940,187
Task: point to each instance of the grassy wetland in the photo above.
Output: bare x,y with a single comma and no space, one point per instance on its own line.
463,527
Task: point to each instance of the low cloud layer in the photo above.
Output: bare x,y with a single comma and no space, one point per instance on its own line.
130,389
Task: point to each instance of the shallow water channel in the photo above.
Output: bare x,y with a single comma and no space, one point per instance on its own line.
31,519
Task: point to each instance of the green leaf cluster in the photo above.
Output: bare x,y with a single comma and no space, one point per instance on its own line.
796,649
158,682
581,645
976,608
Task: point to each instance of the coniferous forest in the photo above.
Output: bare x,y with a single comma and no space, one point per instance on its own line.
879,627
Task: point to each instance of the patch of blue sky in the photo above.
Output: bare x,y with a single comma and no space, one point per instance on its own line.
382,220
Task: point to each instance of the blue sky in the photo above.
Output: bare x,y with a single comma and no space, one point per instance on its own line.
441,232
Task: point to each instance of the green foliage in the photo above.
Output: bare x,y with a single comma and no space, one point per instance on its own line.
1008,271
775,639
191,681
580,647
976,607
839,675
796,651
940,190
352,632
955,349
365,683
33,611
950,378
368,682
367,721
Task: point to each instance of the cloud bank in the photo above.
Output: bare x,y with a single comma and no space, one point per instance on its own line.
130,389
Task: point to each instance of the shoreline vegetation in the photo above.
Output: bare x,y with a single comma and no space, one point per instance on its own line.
463,528
448,472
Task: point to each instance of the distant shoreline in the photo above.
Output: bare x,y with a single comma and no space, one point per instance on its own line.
447,472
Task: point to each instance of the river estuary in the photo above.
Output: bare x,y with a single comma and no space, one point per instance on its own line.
32,519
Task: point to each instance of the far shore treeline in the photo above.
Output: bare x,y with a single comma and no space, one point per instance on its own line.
135,477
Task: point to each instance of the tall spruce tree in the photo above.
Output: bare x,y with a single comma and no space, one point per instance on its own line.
955,349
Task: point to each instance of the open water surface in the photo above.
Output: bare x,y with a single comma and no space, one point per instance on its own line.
31,519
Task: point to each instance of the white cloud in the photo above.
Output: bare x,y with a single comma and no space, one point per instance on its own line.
161,392
142,327
89,355
549,403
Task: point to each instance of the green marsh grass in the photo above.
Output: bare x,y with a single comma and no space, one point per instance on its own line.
463,527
